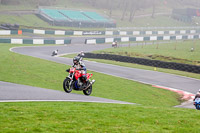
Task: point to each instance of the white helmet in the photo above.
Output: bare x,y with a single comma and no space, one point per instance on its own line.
82,53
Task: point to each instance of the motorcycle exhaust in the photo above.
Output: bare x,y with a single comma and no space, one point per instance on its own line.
91,83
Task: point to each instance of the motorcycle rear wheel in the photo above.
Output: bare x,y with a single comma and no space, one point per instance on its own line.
66,86
88,91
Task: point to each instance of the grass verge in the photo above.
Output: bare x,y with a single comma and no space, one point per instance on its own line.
158,21
95,117
179,52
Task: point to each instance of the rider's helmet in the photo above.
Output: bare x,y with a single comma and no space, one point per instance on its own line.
81,54
76,60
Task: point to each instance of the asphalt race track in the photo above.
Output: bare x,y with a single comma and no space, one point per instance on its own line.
144,76
19,93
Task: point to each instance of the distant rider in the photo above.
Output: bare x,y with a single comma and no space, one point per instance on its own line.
55,52
114,44
81,55
197,95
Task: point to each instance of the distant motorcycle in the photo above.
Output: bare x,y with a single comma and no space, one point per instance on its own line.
74,81
114,44
55,52
197,103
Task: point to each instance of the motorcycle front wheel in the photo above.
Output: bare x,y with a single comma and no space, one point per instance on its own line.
66,85
88,91
198,107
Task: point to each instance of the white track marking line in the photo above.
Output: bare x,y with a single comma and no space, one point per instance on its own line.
4,101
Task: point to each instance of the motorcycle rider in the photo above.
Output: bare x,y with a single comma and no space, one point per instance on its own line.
78,64
81,55
114,44
197,95
55,52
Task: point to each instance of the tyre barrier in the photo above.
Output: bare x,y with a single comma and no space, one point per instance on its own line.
147,62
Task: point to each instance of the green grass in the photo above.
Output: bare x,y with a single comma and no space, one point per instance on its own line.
154,115
158,21
14,36
173,52
29,5
14,7
95,117
28,20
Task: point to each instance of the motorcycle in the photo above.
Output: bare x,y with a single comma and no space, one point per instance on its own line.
75,82
54,53
197,103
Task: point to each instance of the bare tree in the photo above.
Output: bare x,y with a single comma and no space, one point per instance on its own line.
120,4
131,11
110,7
153,8
125,9
134,7
94,2
37,3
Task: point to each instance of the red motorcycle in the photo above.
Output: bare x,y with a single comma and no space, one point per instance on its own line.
74,81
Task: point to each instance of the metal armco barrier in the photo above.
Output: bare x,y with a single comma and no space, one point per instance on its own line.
142,38
35,41
147,62
134,32
107,32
